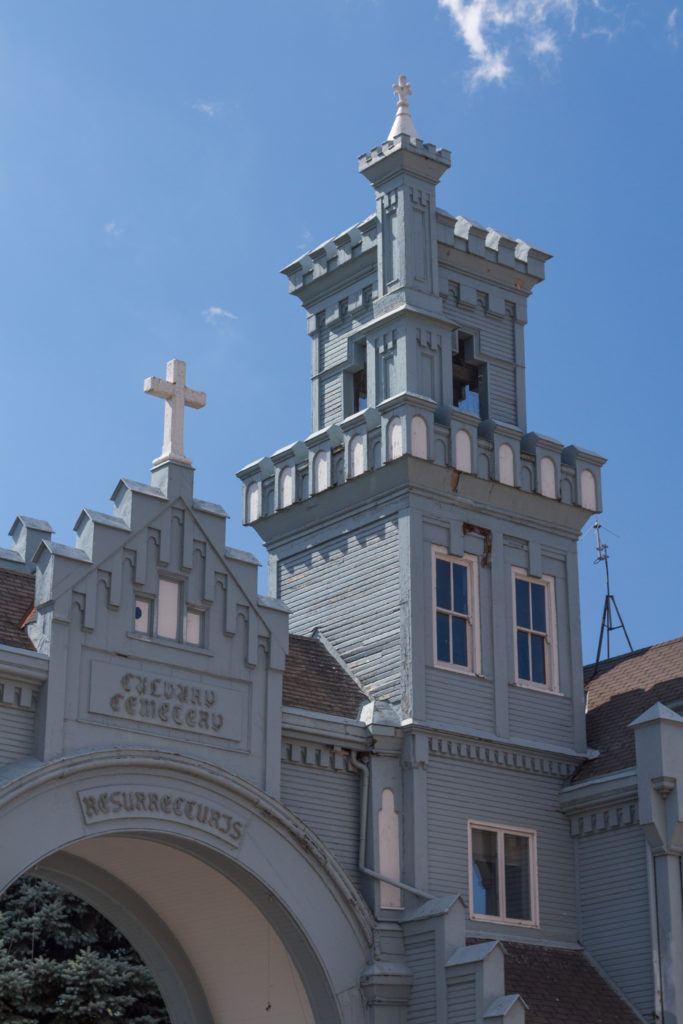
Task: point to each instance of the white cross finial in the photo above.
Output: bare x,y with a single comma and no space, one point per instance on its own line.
402,90
403,122
177,396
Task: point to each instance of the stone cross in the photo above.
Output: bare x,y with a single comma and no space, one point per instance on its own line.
177,396
402,89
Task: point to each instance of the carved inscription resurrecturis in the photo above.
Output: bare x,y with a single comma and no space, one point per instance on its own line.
98,805
168,702
139,698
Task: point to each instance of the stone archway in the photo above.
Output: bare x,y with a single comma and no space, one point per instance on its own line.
215,883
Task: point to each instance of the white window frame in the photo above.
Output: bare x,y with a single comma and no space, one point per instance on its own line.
501,831
552,684
473,620
181,634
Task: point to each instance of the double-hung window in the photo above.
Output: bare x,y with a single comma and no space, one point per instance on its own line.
535,646
456,611
503,875
167,617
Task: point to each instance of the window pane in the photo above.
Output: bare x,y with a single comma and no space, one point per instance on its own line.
522,603
142,615
193,628
484,872
459,641
517,878
523,671
538,607
443,584
537,658
443,646
169,596
460,589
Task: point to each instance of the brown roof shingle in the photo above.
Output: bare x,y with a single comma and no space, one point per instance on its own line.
561,985
315,681
16,600
621,690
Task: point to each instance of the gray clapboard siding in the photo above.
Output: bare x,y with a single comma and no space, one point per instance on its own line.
615,918
16,733
331,400
457,792
502,393
461,998
542,716
459,702
328,801
420,951
349,588
334,350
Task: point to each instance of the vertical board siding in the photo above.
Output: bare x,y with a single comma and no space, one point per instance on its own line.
458,791
615,915
462,998
328,802
541,716
349,589
16,733
459,702
420,951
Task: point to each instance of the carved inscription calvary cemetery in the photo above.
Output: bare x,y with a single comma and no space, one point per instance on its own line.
105,804
172,703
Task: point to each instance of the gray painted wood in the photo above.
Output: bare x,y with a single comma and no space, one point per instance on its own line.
458,792
349,587
328,801
615,916
16,733
462,997
421,952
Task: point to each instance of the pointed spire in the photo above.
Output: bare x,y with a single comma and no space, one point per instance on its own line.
403,122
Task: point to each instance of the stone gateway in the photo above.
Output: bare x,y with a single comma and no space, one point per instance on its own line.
374,795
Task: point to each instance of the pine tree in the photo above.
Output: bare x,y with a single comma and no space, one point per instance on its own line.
61,962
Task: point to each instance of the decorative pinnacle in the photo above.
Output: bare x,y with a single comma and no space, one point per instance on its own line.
403,122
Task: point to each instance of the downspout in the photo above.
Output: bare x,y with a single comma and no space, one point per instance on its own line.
362,867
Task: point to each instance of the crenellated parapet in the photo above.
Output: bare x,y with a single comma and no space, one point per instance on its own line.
334,261
468,236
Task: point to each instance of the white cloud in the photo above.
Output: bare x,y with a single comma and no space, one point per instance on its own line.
210,109
545,44
113,229
481,24
671,29
307,239
216,315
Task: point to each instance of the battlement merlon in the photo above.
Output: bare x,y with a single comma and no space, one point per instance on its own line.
403,154
351,254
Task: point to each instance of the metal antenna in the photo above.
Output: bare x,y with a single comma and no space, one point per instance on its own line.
608,624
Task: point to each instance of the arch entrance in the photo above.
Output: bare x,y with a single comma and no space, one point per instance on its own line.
238,912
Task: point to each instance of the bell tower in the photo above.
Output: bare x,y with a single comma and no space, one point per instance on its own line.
421,528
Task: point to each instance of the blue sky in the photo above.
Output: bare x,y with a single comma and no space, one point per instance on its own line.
162,160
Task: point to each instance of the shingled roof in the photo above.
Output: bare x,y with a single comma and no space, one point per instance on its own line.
621,689
562,985
314,680
16,600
